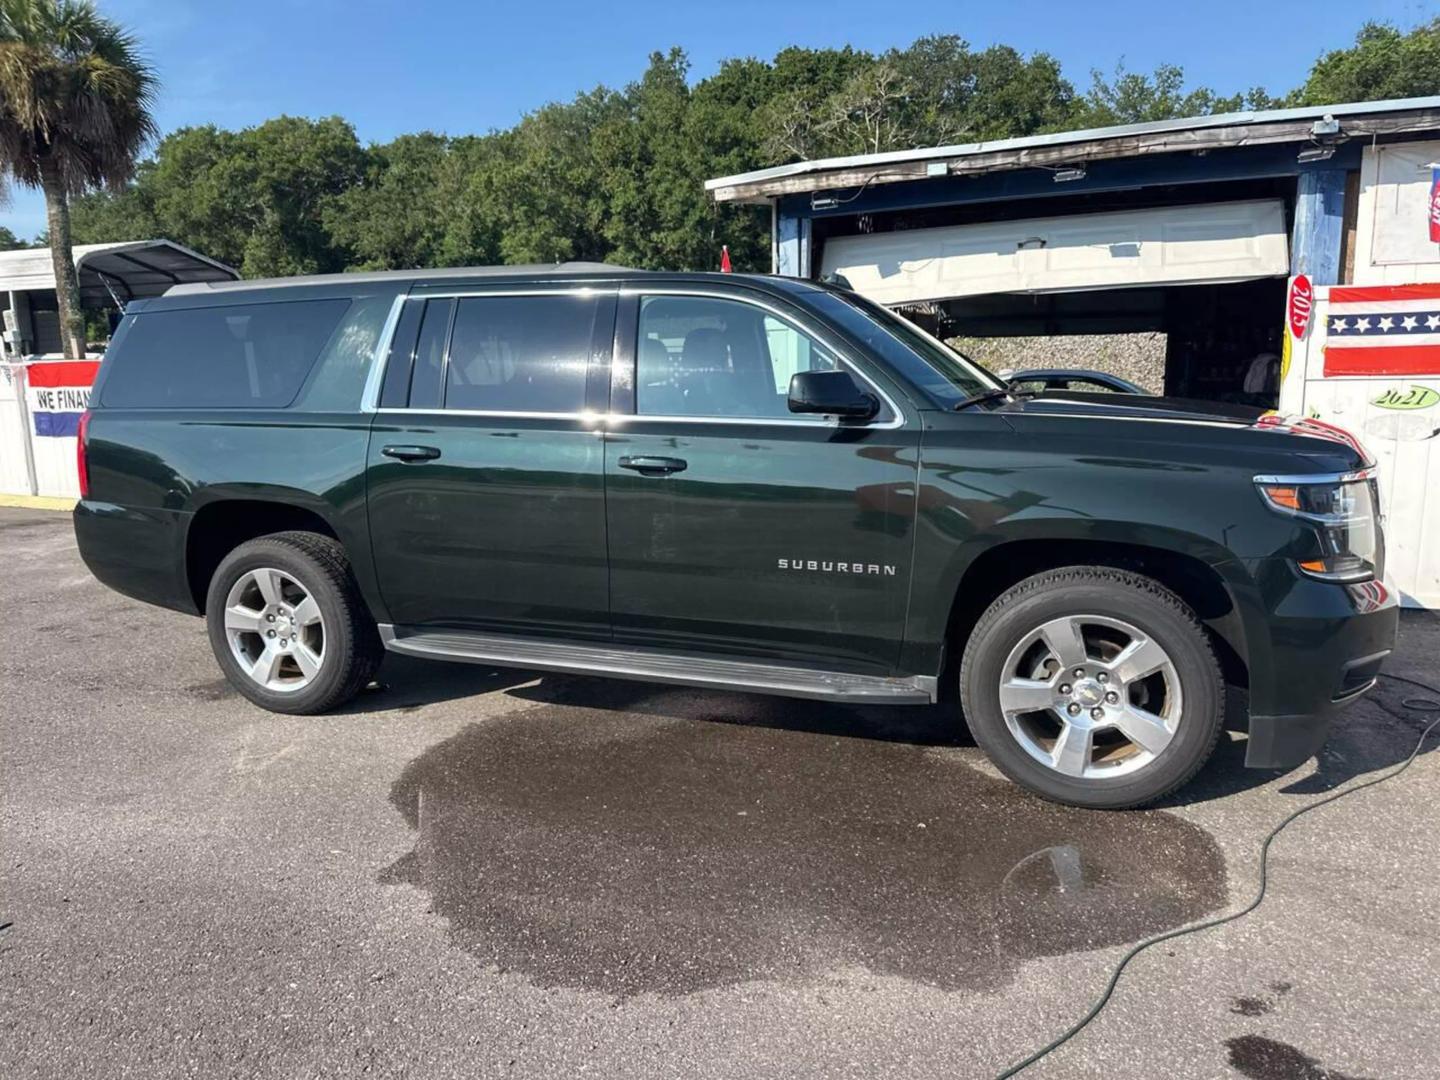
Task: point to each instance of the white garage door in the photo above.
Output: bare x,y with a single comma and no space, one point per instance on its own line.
1174,245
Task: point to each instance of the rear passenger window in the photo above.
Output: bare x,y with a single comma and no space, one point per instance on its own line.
238,356
428,380
521,353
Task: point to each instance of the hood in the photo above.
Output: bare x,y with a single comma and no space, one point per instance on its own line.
1133,407
1178,423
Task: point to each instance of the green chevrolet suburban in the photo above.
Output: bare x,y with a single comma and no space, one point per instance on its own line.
749,483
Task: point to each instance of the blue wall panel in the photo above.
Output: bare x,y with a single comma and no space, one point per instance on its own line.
1319,225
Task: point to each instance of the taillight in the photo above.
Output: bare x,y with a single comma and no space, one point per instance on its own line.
81,469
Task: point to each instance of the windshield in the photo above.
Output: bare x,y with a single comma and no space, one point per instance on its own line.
927,362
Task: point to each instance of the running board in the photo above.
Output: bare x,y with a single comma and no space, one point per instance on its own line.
650,665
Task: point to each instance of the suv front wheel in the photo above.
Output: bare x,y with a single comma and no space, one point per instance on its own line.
288,625
1093,687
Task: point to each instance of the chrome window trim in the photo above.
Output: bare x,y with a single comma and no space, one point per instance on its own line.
538,290
499,414
369,397
825,339
369,402
605,420
756,421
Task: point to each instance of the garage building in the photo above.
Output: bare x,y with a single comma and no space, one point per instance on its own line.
1185,230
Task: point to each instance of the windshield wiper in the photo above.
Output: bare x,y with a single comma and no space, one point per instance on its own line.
990,395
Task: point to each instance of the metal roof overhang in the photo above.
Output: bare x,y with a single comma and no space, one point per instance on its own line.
1194,134
127,271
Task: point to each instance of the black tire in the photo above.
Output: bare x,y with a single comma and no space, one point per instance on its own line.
352,649
1117,594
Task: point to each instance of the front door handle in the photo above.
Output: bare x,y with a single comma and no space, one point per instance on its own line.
411,453
653,466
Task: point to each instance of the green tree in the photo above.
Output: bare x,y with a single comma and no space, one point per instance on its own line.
104,216
936,92
74,115
1129,97
258,199
539,186
394,218
619,175
9,241
1383,63
959,95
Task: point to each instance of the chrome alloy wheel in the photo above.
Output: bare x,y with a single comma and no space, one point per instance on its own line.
1090,696
275,629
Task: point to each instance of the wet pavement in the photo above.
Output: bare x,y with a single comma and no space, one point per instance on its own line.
673,842
484,872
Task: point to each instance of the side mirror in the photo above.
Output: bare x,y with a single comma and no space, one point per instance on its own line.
834,393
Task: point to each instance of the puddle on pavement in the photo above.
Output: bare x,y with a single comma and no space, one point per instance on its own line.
1259,1058
669,841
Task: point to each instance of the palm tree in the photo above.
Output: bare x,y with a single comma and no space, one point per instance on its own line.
75,100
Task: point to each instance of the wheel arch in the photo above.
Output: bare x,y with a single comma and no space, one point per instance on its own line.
220,526
1198,583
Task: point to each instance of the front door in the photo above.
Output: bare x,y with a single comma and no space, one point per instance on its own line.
735,526
486,484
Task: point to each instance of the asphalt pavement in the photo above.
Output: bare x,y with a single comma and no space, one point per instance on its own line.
483,872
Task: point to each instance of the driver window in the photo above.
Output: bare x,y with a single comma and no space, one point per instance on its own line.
703,356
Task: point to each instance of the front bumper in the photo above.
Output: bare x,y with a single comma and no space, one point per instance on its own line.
1320,646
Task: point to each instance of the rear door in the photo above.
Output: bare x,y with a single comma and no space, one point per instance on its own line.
735,526
486,462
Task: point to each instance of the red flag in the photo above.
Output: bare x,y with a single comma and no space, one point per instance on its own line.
1435,204
725,257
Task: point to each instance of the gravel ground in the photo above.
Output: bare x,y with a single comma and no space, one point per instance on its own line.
1138,357
480,872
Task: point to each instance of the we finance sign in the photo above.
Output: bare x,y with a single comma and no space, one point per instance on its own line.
57,394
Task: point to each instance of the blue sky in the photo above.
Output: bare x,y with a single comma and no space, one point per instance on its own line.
463,66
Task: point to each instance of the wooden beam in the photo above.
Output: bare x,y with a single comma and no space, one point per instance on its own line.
1200,140
1348,227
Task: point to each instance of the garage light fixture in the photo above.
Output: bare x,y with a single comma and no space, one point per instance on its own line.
1325,136
1072,172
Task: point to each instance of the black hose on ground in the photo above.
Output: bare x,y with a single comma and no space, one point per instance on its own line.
1415,704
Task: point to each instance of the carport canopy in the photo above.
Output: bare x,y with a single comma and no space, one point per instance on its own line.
130,270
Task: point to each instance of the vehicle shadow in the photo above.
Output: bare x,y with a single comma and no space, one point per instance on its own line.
1371,734
407,683
934,725
1376,732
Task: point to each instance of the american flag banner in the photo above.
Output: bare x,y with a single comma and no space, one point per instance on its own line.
1434,214
58,393
1383,330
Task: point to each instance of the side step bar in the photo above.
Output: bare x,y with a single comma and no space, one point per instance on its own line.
649,665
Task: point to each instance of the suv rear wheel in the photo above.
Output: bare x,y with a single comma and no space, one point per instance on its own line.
1093,687
288,625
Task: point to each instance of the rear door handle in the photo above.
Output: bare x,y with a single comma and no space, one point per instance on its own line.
411,453
653,466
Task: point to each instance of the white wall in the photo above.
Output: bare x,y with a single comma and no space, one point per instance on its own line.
14,473
1392,237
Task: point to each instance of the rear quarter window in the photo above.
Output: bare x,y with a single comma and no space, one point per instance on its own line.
253,356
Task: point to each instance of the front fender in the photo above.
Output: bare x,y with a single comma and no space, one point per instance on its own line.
987,495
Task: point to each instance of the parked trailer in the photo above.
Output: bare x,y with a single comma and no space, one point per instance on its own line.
1367,358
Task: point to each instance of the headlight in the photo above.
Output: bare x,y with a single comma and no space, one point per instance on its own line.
1343,509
